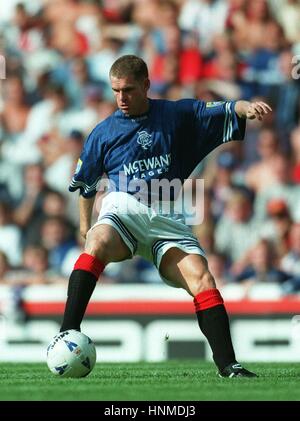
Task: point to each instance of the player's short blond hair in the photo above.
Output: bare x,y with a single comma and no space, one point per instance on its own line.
129,65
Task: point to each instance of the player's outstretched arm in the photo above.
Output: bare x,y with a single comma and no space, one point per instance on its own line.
252,110
85,214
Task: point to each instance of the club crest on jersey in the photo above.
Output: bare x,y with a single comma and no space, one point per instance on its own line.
144,139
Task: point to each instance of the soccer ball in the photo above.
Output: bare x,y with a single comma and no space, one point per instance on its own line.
71,354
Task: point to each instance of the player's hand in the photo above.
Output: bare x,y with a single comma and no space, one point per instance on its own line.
258,110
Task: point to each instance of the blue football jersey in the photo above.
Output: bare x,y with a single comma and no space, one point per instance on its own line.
167,142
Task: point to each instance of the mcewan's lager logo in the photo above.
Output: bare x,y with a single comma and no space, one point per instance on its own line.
144,139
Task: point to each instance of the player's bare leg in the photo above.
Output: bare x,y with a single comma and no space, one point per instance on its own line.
190,271
103,245
106,244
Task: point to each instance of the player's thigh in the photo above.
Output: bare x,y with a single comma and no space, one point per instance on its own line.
104,242
188,271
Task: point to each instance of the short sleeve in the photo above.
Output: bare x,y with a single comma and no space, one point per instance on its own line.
90,167
218,123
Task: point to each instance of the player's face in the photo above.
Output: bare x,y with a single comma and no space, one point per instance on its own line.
131,94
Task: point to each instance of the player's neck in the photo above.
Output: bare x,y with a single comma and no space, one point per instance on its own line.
144,109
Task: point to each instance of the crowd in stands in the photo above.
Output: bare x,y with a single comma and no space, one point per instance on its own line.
58,54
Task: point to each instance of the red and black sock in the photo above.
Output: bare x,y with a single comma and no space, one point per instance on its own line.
214,323
82,282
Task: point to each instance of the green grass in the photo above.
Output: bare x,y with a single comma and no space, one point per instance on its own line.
173,381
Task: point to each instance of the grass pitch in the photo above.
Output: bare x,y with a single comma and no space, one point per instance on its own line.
167,381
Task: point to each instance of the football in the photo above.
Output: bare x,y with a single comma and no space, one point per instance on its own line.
71,354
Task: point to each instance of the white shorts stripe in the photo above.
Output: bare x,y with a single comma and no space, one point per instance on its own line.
122,227
146,232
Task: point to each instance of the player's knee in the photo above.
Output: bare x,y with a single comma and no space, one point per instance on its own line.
98,247
203,282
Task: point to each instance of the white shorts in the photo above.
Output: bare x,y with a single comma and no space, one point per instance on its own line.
146,232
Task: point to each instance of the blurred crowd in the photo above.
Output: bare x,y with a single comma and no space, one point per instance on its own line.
58,54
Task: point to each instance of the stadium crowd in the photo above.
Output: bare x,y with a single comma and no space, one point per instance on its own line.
58,54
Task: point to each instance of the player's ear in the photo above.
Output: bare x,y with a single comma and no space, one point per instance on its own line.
147,84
